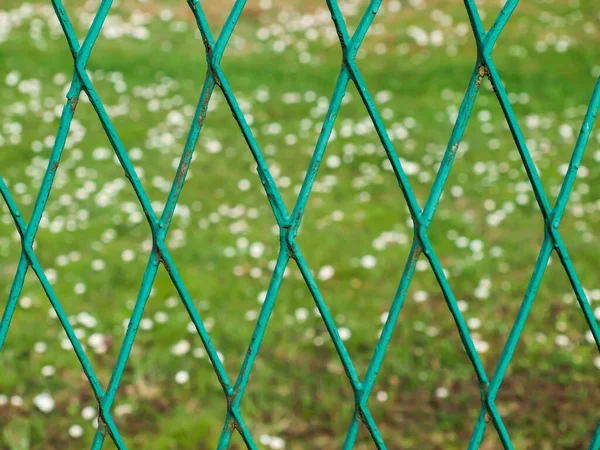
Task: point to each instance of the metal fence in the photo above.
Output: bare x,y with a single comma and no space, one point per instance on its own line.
290,222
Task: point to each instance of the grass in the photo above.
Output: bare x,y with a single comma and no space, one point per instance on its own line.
282,64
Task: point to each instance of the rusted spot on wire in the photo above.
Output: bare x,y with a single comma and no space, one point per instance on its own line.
74,102
204,108
160,259
234,425
360,415
289,242
483,72
206,42
342,43
454,149
217,79
182,171
102,422
416,254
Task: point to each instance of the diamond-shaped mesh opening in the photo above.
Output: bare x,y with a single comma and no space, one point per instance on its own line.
152,111
568,50
426,366
294,411
550,119
94,236
488,11
555,347
10,251
41,373
299,86
168,362
224,240
489,261
356,173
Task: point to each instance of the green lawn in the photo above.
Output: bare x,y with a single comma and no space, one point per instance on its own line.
282,62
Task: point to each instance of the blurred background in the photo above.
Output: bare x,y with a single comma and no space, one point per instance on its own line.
282,62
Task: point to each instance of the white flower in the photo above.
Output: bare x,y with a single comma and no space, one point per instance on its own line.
333,161
25,302
251,315
420,296
98,342
88,413
48,371
301,314
565,131
98,265
161,317
199,352
146,323
213,146
326,273
181,348
79,288
562,340
474,323
476,245
101,153
244,185
368,261
40,347
344,333
128,255
87,320
481,346
182,377
44,402
257,249
65,344
382,396
121,410
75,431
171,302
276,443
12,78
264,439
442,392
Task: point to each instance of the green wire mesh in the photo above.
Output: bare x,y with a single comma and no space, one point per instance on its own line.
290,222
